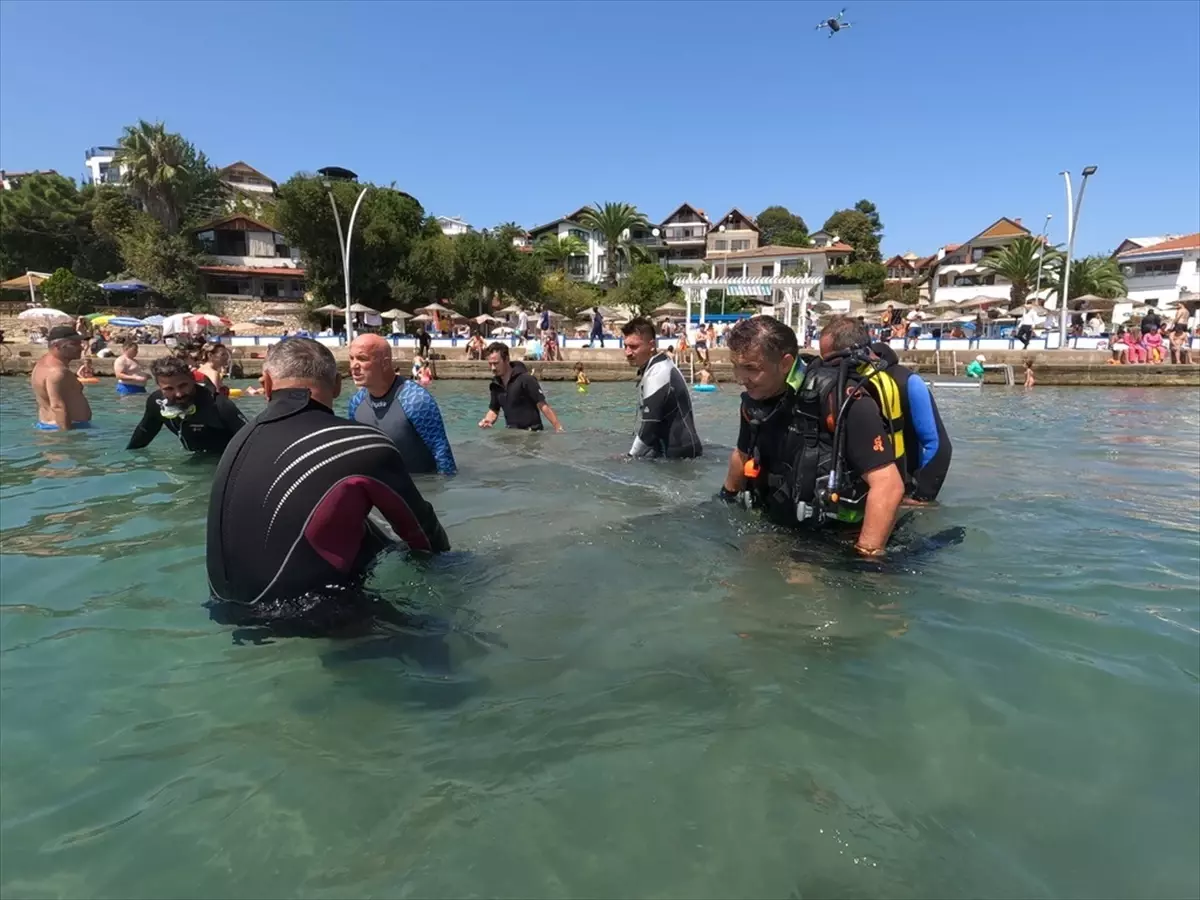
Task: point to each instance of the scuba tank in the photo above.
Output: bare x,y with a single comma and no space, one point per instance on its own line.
810,481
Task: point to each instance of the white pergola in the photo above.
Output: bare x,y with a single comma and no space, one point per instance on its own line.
797,291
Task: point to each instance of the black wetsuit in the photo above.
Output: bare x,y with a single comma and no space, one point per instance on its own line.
519,399
207,429
665,424
288,514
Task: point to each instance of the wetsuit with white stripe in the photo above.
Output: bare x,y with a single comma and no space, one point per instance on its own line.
288,513
665,424
408,414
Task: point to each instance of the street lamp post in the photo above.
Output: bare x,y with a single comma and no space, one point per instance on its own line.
1041,255
330,173
1072,226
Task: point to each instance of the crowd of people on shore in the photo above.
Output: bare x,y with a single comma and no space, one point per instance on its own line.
304,498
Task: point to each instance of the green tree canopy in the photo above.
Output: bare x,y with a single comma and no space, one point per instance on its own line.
646,289
779,226
66,291
613,220
1018,261
1100,276
385,232
173,181
858,229
871,275
568,297
46,223
556,249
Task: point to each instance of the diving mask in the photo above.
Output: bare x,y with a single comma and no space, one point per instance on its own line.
172,411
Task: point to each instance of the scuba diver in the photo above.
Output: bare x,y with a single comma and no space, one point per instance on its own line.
204,422
926,443
814,446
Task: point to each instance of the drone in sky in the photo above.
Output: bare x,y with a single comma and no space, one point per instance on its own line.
835,24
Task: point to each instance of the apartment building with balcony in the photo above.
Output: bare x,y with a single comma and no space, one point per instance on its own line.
1158,273
954,274
584,267
685,236
247,261
99,164
453,225
734,232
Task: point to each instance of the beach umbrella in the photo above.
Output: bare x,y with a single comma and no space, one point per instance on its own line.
126,286
204,320
330,309
503,330
43,312
118,321
153,321
671,308
435,307
27,282
365,310
512,309
180,323
396,314
481,320
422,318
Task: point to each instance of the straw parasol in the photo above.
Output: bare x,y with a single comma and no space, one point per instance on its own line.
361,308
422,318
435,307
667,308
396,314
512,308
39,313
328,309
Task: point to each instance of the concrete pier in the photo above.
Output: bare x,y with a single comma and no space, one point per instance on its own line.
1082,368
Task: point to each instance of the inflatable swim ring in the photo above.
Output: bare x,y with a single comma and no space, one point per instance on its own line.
89,380
235,392
582,388
704,388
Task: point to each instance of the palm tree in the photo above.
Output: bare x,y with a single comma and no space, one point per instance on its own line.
166,174
556,250
1096,275
613,221
1019,262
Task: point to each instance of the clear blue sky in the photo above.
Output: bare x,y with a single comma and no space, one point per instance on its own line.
947,115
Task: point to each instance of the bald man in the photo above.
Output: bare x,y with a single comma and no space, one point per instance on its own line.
399,407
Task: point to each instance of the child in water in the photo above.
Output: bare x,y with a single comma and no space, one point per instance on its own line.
1029,382
706,377
426,377
85,370
581,379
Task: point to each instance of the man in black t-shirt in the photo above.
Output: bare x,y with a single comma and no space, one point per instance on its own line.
515,391
764,351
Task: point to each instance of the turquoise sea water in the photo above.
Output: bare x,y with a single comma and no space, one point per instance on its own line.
636,692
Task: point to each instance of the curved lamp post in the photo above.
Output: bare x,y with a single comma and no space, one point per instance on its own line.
328,175
1072,225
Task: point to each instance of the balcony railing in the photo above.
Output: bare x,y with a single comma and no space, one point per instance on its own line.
648,241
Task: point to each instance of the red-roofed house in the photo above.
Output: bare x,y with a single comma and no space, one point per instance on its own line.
248,260
1158,273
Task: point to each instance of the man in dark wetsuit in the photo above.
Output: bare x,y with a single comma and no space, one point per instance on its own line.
204,423
928,448
665,424
291,527
764,352
399,407
515,391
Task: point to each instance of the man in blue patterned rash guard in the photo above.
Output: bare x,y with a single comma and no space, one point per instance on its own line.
400,408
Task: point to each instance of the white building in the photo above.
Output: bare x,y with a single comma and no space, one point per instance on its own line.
776,261
958,276
100,168
453,225
590,267
1157,273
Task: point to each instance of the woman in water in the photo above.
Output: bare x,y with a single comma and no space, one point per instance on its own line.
581,379
214,362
